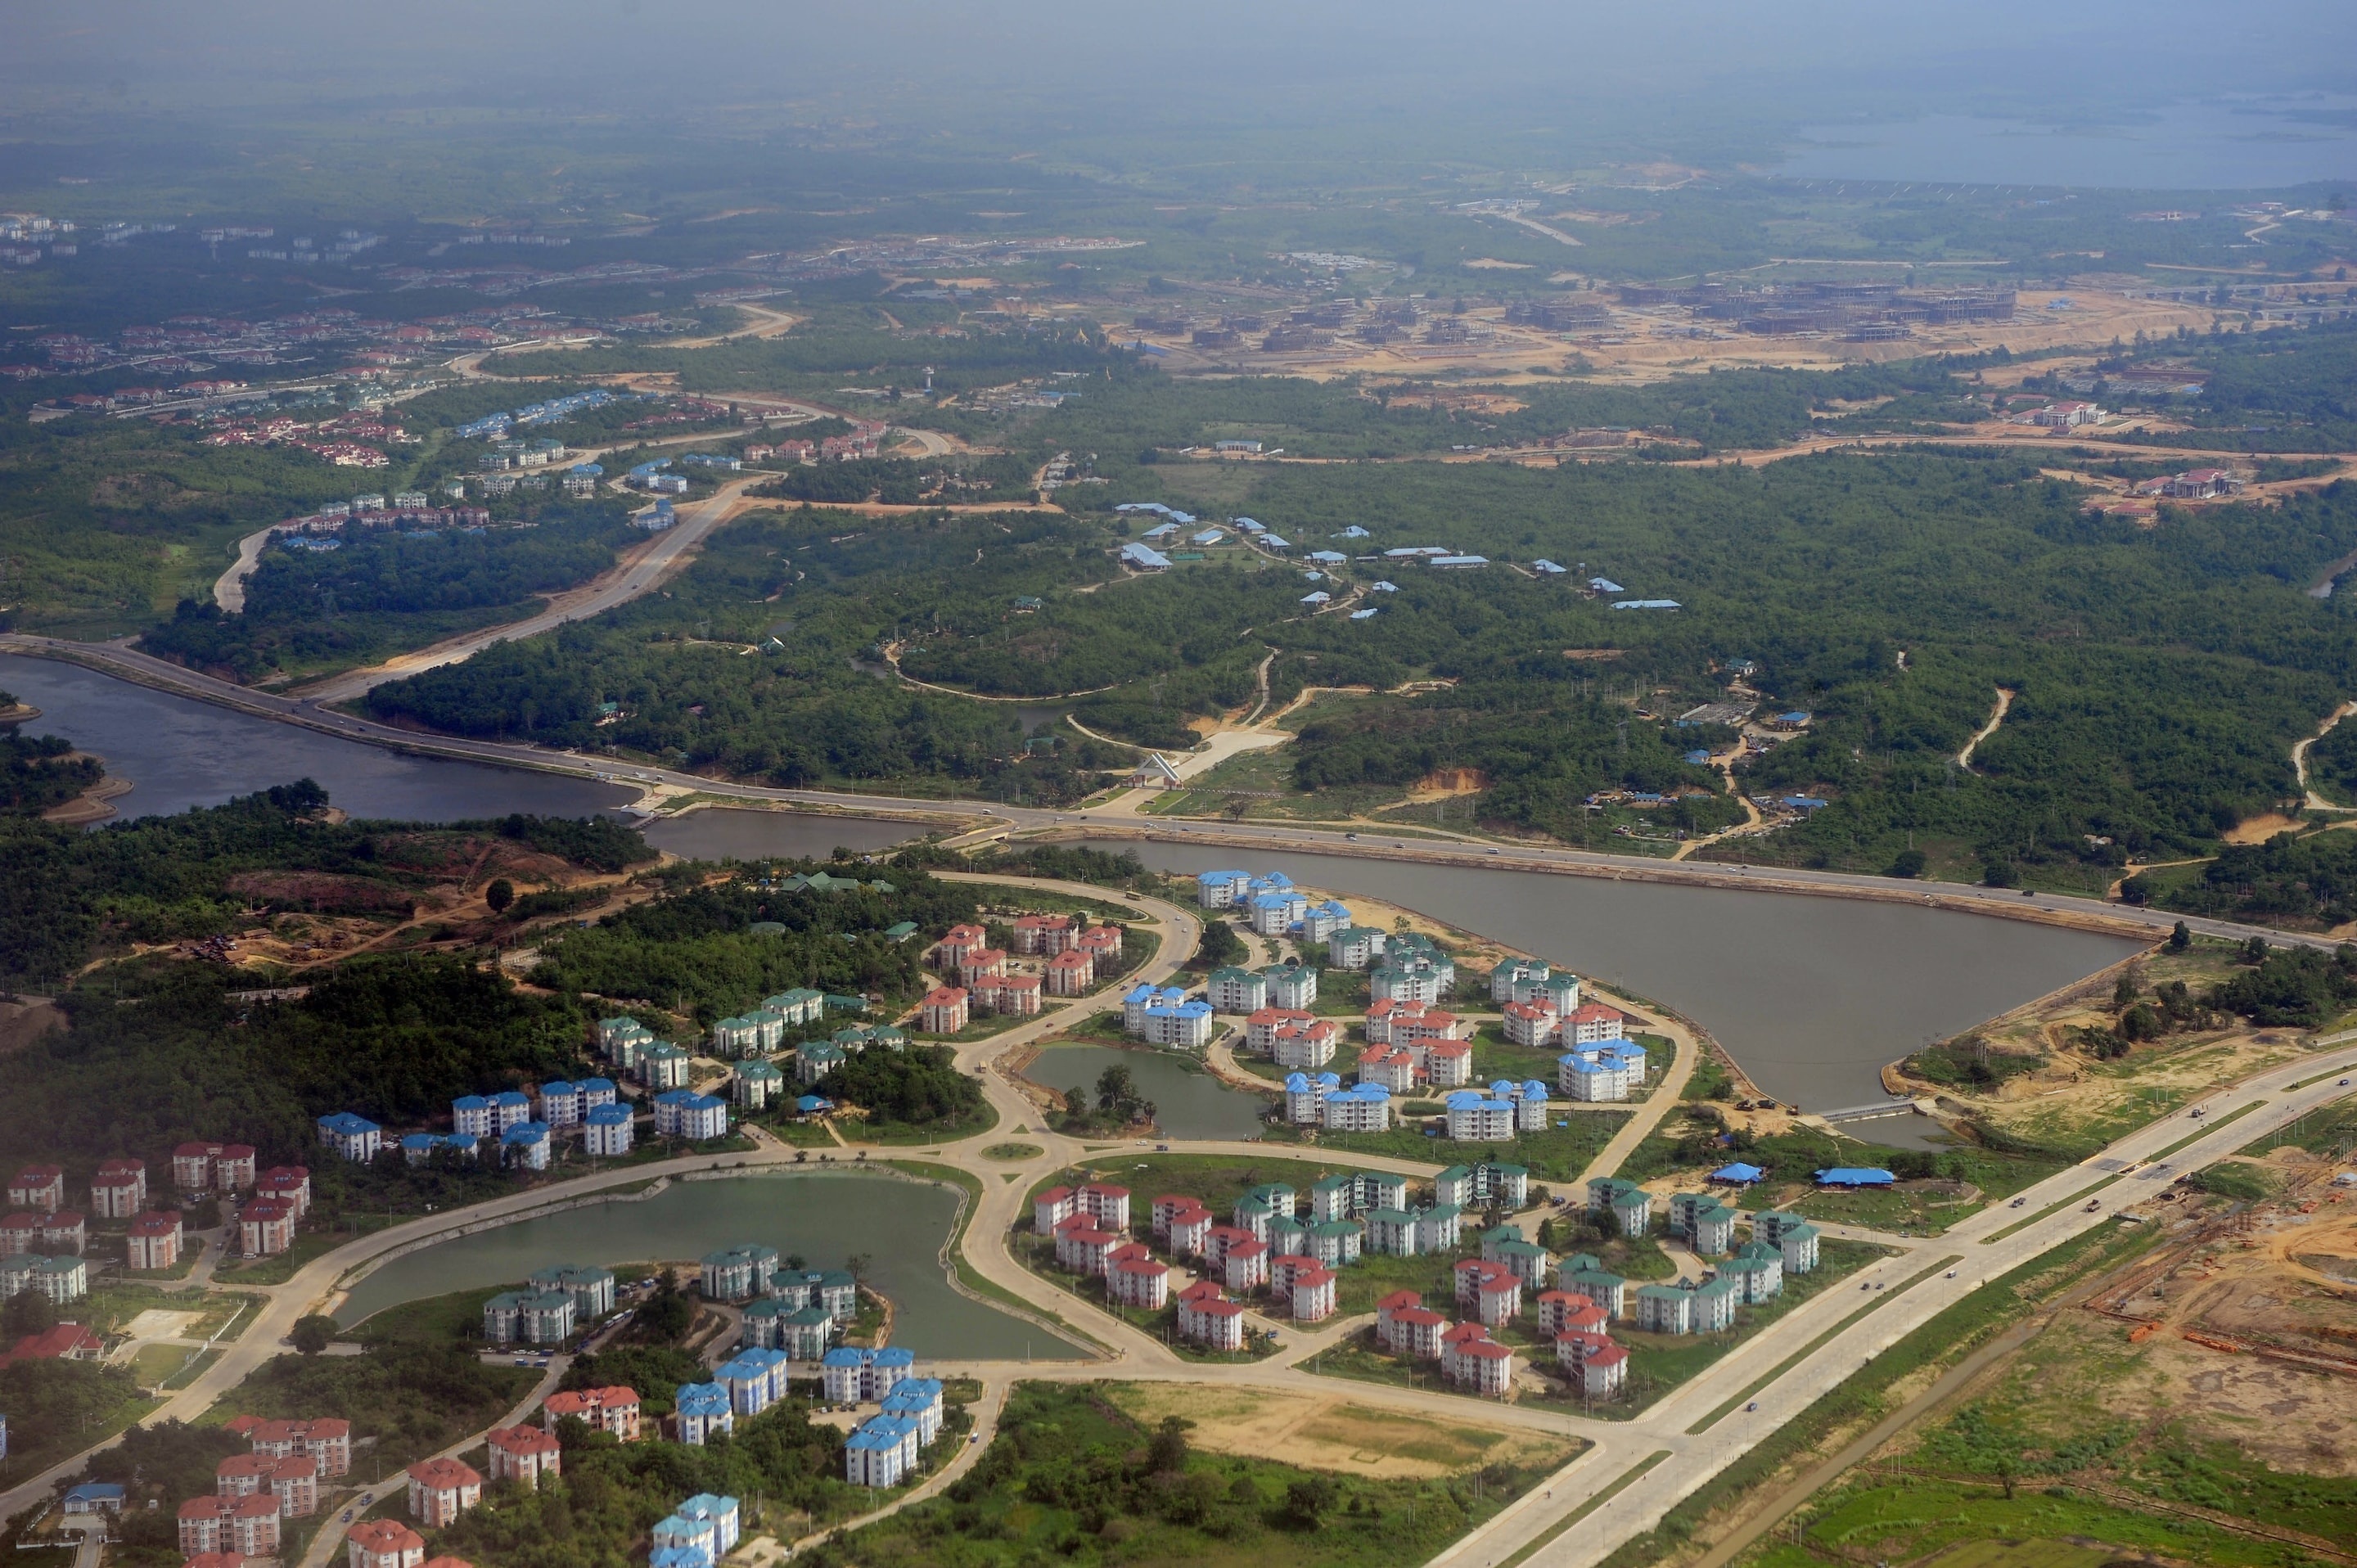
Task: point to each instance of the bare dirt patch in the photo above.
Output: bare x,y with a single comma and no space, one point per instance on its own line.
1447,783
22,1023
1325,1432
2259,829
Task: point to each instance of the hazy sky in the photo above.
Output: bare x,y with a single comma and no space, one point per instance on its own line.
1667,61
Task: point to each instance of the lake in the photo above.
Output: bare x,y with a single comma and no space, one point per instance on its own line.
2178,146
1813,995
178,753
1189,1104
898,1225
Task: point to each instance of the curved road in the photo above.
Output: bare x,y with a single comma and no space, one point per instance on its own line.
1698,1426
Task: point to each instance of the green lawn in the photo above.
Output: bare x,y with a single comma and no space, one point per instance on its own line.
308,1245
436,1319
1557,1154
901,1134
1072,1479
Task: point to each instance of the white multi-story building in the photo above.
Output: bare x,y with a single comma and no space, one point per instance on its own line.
1475,1117
1355,947
1304,1047
607,1132
1367,1108
1306,1094
356,1138
1235,989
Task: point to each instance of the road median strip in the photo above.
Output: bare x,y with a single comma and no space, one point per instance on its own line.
1547,1537
2206,1129
1813,1347
2057,1206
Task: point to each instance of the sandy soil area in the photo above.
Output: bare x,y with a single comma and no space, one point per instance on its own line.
1328,1433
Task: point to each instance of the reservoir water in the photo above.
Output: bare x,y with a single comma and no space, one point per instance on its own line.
178,753
723,833
1813,995
1187,1103
899,1226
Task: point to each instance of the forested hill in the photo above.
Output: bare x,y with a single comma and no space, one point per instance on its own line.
2163,673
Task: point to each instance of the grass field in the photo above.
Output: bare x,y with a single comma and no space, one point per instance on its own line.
1557,1154
1332,1433
1074,1476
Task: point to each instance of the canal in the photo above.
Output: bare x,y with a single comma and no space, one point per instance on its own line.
899,1226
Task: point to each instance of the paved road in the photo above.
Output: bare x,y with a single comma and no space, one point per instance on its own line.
325,1544
647,570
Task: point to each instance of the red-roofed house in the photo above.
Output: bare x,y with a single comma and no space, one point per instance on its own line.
155,1240
66,1341
243,1475
613,1410
979,963
1071,974
442,1489
41,1188
383,1543
64,1231
292,1183
294,1485
1412,1331
1212,1321
265,1227
1313,1294
1447,1064
960,940
1140,1281
213,1167
1246,1267
1586,1026
1481,1367
204,1525
119,1190
944,1010
1042,933
524,1454
252,1525
1108,1205
1052,1208
16,1232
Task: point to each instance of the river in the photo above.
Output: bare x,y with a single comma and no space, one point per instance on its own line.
177,753
899,1226
1189,1102
1811,994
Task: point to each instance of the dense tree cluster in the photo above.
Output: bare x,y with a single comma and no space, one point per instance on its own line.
310,606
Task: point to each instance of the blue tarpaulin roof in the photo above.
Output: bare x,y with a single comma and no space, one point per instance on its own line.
1738,1172
1854,1175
